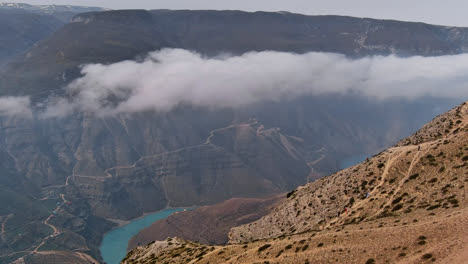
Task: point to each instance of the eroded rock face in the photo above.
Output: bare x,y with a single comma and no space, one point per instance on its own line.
241,160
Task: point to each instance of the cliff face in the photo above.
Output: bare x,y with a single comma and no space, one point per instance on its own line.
392,208
232,162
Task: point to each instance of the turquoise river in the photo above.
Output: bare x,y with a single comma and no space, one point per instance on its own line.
114,244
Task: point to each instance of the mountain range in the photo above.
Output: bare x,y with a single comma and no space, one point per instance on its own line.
92,169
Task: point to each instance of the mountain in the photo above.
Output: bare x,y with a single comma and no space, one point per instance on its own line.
23,25
407,204
20,30
105,37
61,12
89,169
240,160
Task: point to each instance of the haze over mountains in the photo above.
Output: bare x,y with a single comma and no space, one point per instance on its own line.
121,164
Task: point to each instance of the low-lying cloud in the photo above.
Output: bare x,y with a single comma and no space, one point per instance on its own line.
171,77
15,106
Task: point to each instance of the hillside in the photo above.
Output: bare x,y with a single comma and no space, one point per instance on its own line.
407,204
122,166
240,160
207,224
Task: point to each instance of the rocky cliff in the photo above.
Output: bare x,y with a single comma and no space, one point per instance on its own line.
241,160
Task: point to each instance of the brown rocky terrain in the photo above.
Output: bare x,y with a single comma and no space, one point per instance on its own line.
207,224
408,204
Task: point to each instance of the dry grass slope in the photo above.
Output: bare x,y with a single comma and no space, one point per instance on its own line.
407,204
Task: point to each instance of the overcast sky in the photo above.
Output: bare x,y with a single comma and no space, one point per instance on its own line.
448,12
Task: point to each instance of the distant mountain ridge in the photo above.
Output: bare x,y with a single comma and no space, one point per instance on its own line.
50,9
23,25
111,36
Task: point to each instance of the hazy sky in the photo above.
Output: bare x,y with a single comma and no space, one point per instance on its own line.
449,12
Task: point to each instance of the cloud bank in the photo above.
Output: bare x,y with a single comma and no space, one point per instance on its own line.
170,77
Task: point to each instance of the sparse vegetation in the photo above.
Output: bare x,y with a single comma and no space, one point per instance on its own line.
262,248
433,180
432,207
397,207
289,194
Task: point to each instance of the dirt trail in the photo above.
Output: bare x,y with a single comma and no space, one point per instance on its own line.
395,154
414,161
207,142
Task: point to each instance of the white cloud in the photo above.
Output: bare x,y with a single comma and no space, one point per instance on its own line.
15,106
171,77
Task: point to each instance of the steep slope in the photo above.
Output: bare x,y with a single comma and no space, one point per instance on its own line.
241,160
207,224
407,204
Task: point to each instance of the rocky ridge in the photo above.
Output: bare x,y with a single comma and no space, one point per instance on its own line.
408,204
